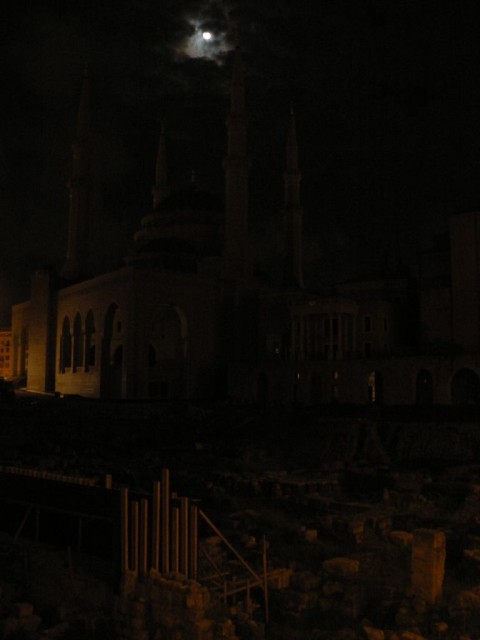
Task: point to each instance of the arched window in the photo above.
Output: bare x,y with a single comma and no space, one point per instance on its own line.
424,390
77,343
65,346
465,388
90,346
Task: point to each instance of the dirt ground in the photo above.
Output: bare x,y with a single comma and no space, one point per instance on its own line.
320,483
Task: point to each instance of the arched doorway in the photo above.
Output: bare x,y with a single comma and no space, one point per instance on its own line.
465,388
112,353
166,353
90,346
424,388
375,387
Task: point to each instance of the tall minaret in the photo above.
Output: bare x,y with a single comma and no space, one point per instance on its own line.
293,211
160,188
78,220
236,178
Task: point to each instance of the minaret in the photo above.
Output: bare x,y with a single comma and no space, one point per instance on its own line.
78,220
236,178
160,188
293,211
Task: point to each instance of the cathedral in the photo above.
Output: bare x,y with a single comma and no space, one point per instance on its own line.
185,318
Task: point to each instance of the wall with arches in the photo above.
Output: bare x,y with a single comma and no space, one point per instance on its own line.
391,381
90,315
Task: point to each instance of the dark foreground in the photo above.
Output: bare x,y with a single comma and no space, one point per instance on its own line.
351,484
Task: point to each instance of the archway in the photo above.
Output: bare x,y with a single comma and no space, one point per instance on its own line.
112,354
424,387
90,346
166,353
465,387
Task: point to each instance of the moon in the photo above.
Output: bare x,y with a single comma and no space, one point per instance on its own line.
206,35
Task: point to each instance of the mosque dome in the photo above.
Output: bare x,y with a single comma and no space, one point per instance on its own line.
184,227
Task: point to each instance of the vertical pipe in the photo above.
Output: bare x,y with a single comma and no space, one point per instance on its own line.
165,521
124,529
184,536
143,566
175,543
193,543
156,526
108,481
135,536
265,579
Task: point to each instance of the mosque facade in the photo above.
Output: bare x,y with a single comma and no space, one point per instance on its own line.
184,318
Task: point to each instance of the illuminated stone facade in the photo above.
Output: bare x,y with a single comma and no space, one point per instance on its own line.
166,324
6,353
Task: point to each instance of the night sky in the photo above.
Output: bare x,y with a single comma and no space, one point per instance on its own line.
386,96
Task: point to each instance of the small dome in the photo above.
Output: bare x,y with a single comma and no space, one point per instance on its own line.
184,228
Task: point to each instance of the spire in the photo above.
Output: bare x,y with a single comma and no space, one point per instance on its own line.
78,220
160,188
236,177
293,212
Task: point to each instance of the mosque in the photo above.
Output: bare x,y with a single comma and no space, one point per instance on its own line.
185,318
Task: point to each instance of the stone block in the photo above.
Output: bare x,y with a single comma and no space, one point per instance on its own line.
402,539
8,626
411,635
332,589
280,579
22,609
202,630
305,581
58,631
138,608
311,535
341,567
325,605
300,600
224,630
30,624
371,633
428,564
137,624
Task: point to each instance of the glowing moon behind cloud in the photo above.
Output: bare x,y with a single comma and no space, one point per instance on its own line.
207,35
